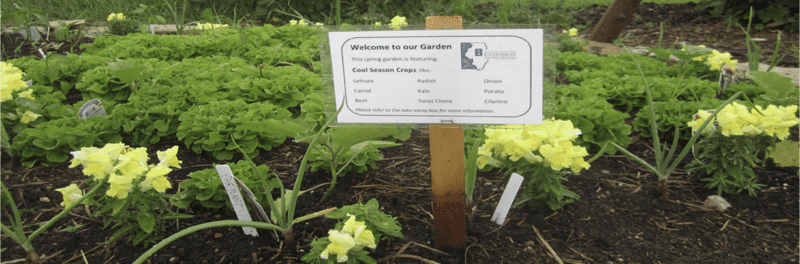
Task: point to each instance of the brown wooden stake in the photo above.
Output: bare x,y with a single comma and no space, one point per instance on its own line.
447,170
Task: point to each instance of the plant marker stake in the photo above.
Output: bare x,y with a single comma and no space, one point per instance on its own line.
226,175
447,170
41,52
152,31
507,199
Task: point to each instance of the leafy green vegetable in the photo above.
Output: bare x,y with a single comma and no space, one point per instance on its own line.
597,119
671,114
254,126
50,142
205,187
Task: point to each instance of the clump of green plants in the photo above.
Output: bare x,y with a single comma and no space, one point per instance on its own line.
567,44
119,25
351,149
204,187
256,126
348,240
540,153
135,201
728,153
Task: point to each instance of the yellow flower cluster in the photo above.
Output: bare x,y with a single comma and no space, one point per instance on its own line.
354,235
71,194
209,26
735,119
398,22
295,22
11,82
123,167
303,23
716,60
113,16
572,32
551,142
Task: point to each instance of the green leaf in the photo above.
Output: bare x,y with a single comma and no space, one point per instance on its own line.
71,228
46,144
146,221
367,145
785,153
119,205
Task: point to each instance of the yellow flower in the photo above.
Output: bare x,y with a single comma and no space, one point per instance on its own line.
168,158
701,117
27,94
302,23
113,16
552,139
113,150
132,163
292,22
318,24
120,185
573,32
11,81
351,224
156,179
79,157
340,244
28,117
364,237
399,22
209,26
70,193
377,23
98,165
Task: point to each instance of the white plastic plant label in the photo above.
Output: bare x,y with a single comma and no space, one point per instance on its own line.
439,76
91,108
226,175
507,199
152,30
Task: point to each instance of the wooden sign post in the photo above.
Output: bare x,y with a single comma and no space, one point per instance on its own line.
447,170
447,79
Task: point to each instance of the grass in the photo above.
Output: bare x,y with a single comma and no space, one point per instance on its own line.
557,12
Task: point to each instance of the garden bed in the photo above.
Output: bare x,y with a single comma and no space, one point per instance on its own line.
621,216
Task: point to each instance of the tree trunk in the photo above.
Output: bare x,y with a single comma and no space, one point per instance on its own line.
614,20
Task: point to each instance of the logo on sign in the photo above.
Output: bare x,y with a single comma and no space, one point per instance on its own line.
475,55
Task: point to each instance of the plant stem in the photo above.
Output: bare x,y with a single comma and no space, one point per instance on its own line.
199,227
314,215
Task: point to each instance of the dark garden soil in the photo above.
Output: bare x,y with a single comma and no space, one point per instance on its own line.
620,217
696,27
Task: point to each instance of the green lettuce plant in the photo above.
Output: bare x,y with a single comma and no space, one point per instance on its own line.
51,141
59,71
117,80
598,118
205,187
209,127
